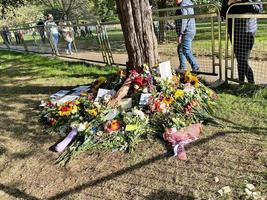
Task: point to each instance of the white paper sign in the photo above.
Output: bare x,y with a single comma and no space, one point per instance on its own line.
59,94
165,70
144,99
111,115
65,99
102,92
82,88
126,103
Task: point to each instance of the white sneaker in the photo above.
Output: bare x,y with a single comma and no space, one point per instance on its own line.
67,52
71,52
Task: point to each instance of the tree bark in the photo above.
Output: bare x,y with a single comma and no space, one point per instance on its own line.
140,40
137,25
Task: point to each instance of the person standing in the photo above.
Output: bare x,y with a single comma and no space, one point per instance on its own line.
244,34
41,30
186,31
52,31
68,35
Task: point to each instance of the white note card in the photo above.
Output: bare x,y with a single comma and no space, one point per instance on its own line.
102,92
65,99
165,70
59,94
144,99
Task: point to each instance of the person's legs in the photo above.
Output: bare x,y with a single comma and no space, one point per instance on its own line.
55,41
187,51
69,47
242,48
181,57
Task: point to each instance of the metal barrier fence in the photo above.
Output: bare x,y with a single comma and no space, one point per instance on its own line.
246,46
206,46
104,42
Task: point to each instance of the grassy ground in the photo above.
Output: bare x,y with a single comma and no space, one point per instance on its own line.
236,153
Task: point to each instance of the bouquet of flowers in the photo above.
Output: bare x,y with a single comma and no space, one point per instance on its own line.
88,123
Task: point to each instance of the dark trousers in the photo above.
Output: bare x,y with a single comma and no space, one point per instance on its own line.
243,44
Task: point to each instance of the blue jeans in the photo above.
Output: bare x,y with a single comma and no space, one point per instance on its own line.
185,53
55,38
69,46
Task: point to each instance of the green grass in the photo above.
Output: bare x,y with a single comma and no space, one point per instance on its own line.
234,152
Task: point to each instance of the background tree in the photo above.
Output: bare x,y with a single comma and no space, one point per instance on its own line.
9,5
71,8
105,10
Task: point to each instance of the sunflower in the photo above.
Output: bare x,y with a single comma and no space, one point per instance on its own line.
194,81
178,94
168,100
187,76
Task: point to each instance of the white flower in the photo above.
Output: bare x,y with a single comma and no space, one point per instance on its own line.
74,124
188,88
139,113
97,105
82,126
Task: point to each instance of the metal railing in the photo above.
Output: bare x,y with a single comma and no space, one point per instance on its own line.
246,47
104,42
206,46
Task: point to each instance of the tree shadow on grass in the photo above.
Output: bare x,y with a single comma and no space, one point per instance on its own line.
126,170
168,195
16,192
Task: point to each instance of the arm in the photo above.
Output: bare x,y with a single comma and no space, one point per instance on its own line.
184,21
241,9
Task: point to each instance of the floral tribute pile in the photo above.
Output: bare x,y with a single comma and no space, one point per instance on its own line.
173,109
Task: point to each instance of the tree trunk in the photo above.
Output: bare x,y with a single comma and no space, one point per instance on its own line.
137,25
140,40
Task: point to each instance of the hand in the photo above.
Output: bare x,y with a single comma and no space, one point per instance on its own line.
179,39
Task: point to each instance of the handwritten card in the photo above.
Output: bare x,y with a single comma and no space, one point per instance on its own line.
165,70
144,99
102,92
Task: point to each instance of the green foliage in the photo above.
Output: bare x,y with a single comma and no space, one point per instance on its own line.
24,14
106,10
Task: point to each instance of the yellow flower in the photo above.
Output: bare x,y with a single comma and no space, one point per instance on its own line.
176,79
187,76
92,112
100,81
74,109
168,100
77,102
194,81
178,94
